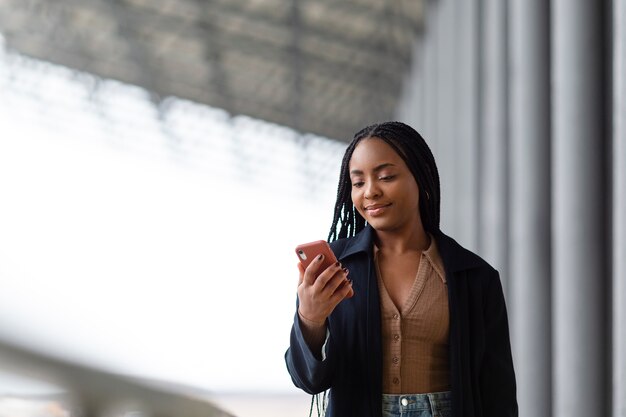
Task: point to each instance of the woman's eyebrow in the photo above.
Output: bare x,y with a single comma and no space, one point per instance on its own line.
376,169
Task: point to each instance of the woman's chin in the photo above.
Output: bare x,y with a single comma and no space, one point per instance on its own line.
382,225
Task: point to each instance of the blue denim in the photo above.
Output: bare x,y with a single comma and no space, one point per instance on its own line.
434,404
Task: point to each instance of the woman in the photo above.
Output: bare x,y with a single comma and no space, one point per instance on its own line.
407,322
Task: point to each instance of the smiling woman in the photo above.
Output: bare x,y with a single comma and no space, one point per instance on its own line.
425,331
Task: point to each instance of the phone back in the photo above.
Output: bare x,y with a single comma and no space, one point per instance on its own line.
307,252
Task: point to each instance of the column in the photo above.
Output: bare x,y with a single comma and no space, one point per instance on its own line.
619,208
410,109
466,122
429,99
530,280
493,155
445,112
579,211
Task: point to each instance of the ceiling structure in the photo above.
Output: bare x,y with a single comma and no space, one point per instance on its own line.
323,66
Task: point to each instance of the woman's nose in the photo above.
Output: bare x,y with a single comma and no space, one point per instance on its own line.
371,190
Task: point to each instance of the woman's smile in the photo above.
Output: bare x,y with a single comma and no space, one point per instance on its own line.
375,210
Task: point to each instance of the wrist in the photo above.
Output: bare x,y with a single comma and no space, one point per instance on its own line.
310,322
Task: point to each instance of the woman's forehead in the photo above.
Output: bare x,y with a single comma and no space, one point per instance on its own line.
372,152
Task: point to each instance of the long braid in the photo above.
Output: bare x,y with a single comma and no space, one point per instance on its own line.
346,216
415,152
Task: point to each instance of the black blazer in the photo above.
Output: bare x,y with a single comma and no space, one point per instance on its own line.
481,368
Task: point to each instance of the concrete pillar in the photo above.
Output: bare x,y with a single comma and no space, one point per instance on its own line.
493,167
619,208
578,212
445,111
411,110
429,99
466,122
530,280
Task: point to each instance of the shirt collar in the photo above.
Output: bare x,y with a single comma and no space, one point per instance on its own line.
452,255
432,256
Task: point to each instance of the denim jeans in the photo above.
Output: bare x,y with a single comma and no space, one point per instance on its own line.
434,404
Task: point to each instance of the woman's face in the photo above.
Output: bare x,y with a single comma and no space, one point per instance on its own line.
384,190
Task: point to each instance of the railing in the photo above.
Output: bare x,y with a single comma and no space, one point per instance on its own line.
90,392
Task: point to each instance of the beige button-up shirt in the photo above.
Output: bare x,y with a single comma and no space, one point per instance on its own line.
415,335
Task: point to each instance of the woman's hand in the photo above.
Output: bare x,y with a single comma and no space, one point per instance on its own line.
319,296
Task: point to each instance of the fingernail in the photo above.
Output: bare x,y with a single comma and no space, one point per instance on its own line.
346,270
337,263
320,256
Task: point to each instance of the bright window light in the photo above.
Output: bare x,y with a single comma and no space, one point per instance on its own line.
152,239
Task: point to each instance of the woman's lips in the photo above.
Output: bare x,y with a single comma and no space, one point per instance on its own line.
376,210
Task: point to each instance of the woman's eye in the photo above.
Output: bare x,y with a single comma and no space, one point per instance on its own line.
358,184
387,178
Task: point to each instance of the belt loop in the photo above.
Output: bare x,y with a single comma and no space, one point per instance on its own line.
431,403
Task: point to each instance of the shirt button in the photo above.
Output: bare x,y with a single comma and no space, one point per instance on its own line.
396,381
396,337
396,359
396,317
404,402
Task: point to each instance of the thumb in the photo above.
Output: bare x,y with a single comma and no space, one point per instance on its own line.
301,270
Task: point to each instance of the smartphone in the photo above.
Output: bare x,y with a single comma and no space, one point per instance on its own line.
307,252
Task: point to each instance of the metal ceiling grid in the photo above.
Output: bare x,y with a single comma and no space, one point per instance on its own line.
321,66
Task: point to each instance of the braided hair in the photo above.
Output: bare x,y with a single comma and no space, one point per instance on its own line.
410,145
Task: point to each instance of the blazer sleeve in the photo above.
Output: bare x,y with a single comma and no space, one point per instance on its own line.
497,376
307,371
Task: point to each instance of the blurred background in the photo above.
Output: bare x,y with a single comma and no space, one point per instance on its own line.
159,161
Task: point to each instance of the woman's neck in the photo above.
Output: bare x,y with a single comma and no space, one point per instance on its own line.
401,242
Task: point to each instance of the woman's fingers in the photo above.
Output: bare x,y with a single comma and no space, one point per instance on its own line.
320,295
333,284
326,277
312,270
301,271
344,291
350,291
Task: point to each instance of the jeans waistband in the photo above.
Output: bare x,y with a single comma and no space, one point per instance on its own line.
417,402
